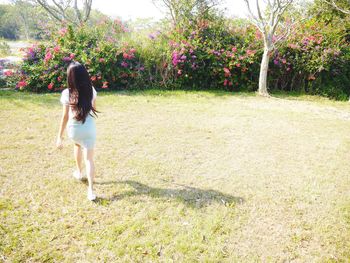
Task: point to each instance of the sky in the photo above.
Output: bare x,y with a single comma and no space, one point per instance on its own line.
132,9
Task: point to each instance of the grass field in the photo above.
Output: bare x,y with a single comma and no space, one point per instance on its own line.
182,177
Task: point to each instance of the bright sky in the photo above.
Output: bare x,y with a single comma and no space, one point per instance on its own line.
132,9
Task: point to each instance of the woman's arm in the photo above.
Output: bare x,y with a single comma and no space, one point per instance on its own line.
94,103
63,125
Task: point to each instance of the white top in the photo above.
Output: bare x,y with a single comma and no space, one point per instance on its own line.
65,100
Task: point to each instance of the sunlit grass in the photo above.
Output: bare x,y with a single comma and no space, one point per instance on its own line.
181,176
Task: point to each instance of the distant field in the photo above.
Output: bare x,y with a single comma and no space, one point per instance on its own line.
181,176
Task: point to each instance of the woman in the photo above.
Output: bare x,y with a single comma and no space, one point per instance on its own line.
79,106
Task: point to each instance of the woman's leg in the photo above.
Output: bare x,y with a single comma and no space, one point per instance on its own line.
90,167
78,155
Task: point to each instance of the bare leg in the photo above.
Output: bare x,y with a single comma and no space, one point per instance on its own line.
78,155
90,167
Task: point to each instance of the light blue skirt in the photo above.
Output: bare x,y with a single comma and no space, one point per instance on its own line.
83,134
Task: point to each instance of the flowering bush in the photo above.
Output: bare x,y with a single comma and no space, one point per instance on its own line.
207,52
109,62
315,60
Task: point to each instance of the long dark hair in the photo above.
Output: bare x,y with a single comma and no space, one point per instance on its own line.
80,91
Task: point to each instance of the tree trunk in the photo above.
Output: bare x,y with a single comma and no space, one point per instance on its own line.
26,28
263,73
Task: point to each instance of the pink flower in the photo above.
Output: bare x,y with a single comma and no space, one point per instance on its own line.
179,72
105,85
234,49
63,31
175,59
59,79
284,61
8,73
250,52
227,72
133,50
258,35
125,55
238,65
124,64
22,84
72,56
293,46
50,86
56,49
102,60
225,82
93,78
48,56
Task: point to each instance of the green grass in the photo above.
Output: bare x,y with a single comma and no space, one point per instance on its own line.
181,176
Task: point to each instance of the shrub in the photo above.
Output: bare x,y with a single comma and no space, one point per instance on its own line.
200,52
314,60
207,53
110,62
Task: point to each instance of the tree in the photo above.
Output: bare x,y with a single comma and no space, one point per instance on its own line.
267,21
61,10
342,6
184,9
9,26
24,11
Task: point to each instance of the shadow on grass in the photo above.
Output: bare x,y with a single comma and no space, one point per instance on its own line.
190,196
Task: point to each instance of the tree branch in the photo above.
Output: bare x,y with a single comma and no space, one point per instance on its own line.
333,4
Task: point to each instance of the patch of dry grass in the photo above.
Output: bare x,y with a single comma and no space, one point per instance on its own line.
182,176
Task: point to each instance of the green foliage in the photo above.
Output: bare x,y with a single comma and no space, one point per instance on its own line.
25,20
201,51
4,48
110,62
207,53
327,13
9,27
314,60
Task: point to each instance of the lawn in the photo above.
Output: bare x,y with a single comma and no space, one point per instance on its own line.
182,177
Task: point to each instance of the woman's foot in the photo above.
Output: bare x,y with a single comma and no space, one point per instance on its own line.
78,175
91,196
